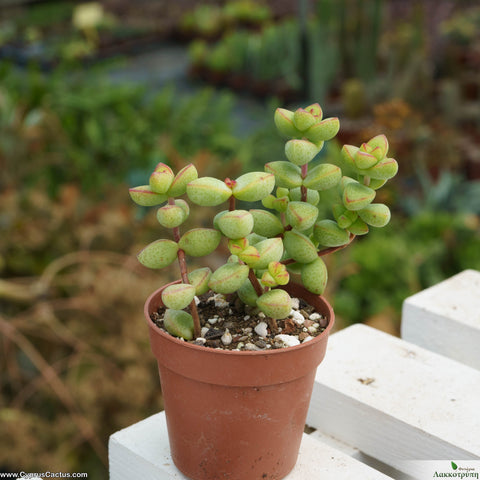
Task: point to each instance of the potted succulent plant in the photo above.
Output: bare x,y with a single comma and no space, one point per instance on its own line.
237,348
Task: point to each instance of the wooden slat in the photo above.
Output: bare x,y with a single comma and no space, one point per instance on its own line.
396,401
141,452
446,318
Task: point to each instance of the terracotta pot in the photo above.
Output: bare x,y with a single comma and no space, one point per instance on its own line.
236,415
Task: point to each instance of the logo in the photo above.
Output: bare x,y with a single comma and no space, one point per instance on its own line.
458,471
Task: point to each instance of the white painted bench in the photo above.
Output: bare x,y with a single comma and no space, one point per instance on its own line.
382,407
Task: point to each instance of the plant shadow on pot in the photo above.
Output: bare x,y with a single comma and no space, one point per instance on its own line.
236,415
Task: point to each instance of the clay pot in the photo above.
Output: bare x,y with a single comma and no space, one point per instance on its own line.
236,415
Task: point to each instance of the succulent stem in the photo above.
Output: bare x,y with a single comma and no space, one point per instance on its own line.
272,323
184,274
231,203
323,252
303,188
366,180
255,283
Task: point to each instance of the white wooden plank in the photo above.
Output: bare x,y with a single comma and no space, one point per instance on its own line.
141,452
446,318
396,401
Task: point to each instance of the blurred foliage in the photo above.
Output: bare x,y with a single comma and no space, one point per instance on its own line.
62,127
378,272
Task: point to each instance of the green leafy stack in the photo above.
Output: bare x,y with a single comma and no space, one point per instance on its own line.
266,245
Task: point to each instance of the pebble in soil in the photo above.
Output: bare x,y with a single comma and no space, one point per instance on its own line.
231,325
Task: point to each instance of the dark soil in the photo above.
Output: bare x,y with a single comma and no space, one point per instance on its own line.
230,325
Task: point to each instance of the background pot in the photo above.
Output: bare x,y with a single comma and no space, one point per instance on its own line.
236,415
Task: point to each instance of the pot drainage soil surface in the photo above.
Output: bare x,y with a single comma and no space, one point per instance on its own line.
231,325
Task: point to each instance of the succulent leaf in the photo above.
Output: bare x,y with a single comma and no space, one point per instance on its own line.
323,131
250,256
329,234
343,216
275,303
383,170
199,278
303,120
254,238
375,214
228,278
323,177
280,204
316,110
300,152
184,206
358,227
380,142
146,197
179,323
299,247
357,196
236,224
279,273
208,191
237,246
376,183
313,197
253,186
301,215
200,241
284,122
247,294
178,296
268,280
158,254
170,216
348,153
270,250
286,174
364,160
266,223
161,178
179,185
314,276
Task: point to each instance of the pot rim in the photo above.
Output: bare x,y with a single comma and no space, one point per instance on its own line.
239,353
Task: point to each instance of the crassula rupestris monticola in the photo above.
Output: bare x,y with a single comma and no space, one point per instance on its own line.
282,236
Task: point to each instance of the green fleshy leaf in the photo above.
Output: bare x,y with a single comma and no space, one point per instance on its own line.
303,120
323,131
247,294
171,216
250,256
158,254
323,177
161,178
208,191
375,214
254,238
228,278
383,170
299,247
179,185
343,216
270,250
253,186
286,174
275,303
301,215
375,183
313,197
357,196
178,296
300,152
179,323
314,276
364,160
145,197
379,142
266,223
236,224
348,155
284,122
316,110
200,241
358,227
199,278
329,234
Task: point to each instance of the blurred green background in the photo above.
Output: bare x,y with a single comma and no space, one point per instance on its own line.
93,95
